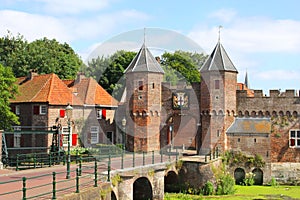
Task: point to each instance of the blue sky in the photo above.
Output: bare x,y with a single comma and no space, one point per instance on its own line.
260,36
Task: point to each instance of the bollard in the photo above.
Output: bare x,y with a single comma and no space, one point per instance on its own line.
122,160
77,156
96,175
77,180
34,160
17,164
53,185
143,158
24,188
152,157
108,168
50,159
80,165
133,159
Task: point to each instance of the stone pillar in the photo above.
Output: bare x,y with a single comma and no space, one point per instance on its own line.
158,184
125,188
1,164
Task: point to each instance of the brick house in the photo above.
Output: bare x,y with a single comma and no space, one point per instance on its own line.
41,103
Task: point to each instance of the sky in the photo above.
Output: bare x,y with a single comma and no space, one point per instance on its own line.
261,37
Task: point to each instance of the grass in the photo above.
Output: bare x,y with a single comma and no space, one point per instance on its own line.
247,193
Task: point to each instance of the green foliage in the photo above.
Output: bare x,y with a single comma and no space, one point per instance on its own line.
110,70
208,188
249,179
181,65
232,158
225,184
44,56
115,180
8,89
273,182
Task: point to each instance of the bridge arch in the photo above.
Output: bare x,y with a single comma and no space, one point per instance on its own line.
171,182
142,189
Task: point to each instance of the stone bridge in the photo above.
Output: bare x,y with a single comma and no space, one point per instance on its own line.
151,181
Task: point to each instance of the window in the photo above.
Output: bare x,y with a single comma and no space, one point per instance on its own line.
94,134
101,113
217,84
141,85
17,110
239,139
153,85
43,110
40,110
295,138
17,136
218,133
65,135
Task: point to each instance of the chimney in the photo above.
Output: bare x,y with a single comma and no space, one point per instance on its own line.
80,76
31,74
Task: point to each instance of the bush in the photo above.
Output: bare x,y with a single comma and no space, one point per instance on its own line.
249,179
273,182
208,188
225,185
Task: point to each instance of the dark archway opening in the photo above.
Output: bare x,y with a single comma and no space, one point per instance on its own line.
239,176
113,196
172,182
142,189
258,176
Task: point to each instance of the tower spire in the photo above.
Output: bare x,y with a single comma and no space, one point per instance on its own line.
220,27
246,80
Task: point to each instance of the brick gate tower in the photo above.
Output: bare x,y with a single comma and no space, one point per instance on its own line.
218,99
144,76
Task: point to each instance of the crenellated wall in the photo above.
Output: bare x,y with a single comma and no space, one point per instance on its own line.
276,104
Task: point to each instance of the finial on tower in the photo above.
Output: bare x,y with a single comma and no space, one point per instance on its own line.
246,80
220,27
145,36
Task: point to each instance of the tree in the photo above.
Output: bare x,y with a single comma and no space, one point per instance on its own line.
110,71
8,89
182,65
44,56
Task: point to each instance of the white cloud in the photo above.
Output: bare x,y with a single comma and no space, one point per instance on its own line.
254,34
32,26
224,15
35,26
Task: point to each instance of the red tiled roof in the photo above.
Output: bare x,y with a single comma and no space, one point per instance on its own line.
45,88
241,86
91,93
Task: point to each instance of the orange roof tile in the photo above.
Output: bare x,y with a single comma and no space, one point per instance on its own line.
242,86
91,93
45,88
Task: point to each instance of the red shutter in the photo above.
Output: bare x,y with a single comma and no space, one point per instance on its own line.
74,139
62,113
36,110
292,142
103,113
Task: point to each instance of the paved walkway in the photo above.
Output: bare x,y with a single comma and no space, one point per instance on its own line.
39,180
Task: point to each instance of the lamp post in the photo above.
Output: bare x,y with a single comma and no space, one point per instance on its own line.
69,115
124,132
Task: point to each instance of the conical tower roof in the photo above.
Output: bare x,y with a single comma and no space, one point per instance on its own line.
218,61
144,61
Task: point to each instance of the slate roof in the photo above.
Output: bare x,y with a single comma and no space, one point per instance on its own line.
144,62
250,126
91,93
48,88
218,61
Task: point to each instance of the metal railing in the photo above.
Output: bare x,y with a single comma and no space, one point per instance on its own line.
88,172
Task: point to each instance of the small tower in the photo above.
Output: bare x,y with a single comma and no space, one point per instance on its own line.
143,98
218,99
